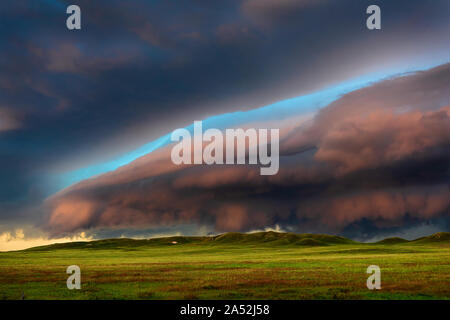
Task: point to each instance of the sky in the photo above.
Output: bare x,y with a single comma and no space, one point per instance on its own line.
86,116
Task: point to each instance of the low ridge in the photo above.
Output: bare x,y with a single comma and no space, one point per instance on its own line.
231,238
437,237
393,240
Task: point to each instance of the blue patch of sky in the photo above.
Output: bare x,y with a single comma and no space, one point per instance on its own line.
308,103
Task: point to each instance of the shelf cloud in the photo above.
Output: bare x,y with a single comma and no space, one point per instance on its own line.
380,153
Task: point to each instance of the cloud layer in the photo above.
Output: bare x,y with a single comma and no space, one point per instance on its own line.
70,100
378,154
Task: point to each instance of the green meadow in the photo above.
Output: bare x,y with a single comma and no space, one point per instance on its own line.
264,265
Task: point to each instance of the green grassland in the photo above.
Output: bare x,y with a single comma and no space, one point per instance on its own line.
265,265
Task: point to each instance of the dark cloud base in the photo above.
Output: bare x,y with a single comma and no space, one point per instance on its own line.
138,69
381,165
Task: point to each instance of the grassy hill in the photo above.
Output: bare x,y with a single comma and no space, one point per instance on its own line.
269,238
280,238
393,240
439,237
263,265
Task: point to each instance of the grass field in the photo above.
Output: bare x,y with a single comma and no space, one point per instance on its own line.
263,265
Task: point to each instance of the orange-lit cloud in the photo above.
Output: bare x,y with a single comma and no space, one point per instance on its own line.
381,153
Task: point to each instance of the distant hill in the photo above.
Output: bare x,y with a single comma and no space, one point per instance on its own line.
437,237
234,238
393,240
280,238
440,237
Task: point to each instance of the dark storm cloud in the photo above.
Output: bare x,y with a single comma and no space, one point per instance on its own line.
138,69
378,162
354,121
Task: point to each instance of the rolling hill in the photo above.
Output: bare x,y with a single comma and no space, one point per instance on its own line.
261,265
269,238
